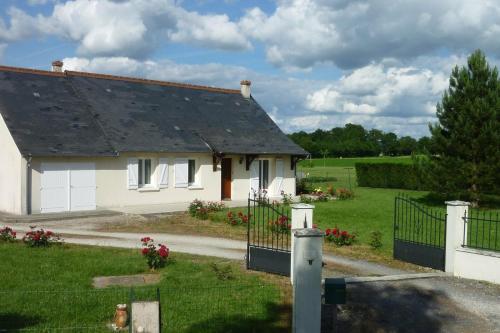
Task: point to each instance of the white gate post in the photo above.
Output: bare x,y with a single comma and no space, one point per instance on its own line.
308,258
300,213
455,211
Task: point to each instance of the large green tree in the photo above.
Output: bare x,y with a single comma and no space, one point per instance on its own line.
466,140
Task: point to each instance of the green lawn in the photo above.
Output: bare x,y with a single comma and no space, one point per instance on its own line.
350,161
46,289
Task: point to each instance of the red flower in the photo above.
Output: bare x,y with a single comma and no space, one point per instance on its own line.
240,214
229,214
328,231
335,231
49,233
145,251
344,233
163,252
315,226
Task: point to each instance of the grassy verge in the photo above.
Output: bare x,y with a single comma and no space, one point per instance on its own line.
350,161
46,289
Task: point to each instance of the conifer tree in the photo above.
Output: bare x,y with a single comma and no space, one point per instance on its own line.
466,140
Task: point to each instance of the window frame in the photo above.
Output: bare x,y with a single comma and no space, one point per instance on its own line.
262,169
141,172
192,172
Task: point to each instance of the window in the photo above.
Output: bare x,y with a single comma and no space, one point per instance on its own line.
263,174
144,172
191,172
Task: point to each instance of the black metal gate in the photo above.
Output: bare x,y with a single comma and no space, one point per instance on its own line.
419,234
268,236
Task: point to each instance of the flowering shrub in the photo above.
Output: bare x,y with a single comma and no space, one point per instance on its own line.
200,209
7,234
156,256
236,219
40,238
286,198
339,237
330,190
317,191
280,224
344,194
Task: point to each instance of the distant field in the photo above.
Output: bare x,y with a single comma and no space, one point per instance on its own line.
349,162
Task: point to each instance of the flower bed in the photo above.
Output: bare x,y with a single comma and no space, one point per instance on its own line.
201,209
7,234
236,219
156,256
40,237
339,237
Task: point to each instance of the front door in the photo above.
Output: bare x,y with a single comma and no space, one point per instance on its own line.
226,178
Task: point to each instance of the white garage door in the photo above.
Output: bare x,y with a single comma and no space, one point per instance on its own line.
67,187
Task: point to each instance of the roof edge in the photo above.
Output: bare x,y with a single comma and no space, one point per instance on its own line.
117,78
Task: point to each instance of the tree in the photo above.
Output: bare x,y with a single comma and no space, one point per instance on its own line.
466,139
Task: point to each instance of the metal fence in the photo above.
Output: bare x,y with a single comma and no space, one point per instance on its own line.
481,230
228,307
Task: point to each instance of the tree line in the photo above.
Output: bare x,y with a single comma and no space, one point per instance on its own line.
355,141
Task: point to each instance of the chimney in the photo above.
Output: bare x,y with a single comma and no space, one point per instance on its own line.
245,88
57,66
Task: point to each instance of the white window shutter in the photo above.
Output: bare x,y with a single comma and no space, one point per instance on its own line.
163,175
254,177
132,173
181,172
279,176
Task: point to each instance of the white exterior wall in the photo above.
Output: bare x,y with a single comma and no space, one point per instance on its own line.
466,262
477,264
112,190
12,167
240,187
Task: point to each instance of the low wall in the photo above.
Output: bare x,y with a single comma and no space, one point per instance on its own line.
477,264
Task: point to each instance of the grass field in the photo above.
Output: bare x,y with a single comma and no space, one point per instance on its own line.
350,161
44,290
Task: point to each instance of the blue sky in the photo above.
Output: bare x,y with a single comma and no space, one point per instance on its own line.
313,63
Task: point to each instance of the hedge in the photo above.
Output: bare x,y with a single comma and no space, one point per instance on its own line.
389,175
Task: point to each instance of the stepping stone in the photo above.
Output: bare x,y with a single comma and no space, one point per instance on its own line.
125,280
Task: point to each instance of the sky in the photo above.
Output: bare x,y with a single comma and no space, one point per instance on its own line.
313,63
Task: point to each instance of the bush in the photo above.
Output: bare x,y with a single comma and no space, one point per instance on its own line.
305,199
344,194
280,225
375,239
390,175
286,198
200,209
236,219
339,237
155,256
300,186
7,234
40,238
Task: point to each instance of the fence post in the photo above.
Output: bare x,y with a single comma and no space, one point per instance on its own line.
300,213
455,230
308,254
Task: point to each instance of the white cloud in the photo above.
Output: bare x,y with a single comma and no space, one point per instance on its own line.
377,89
350,34
127,28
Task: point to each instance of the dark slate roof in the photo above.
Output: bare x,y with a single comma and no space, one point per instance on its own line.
84,114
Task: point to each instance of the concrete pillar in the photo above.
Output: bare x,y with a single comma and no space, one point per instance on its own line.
300,212
308,254
455,211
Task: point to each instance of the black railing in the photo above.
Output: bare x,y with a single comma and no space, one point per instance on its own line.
418,224
481,230
269,224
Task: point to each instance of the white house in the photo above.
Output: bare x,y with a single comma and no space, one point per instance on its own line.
82,141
